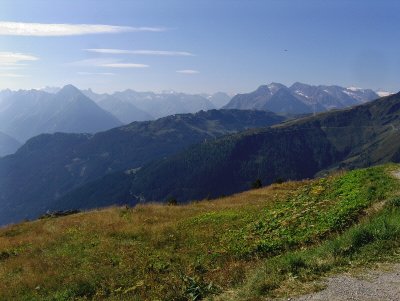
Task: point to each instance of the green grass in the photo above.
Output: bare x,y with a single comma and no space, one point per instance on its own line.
375,240
271,241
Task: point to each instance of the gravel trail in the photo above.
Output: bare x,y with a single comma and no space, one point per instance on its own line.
374,285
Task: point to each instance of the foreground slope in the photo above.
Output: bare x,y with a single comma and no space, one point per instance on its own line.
358,137
48,166
155,252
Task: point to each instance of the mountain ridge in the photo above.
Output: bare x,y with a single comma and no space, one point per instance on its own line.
300,98
25,114
48,166
8,145
355,137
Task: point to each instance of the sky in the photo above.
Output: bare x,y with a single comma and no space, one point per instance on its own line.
199,46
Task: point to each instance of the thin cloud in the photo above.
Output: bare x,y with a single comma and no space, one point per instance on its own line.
93,62
188,71
140,52
124,65
12,67
108,63
96,73
13,58
52,30
13,75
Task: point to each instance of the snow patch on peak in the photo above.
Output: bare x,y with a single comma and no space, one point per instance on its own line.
298,92
383,93
172,92
354,89
274,87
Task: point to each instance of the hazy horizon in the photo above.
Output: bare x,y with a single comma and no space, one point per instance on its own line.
198,47
49,88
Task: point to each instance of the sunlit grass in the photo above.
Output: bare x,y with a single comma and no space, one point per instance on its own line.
160,252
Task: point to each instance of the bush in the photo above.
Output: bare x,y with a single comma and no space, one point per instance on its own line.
361,237
279,181
172,202
197,289
256,184
395,202
295,263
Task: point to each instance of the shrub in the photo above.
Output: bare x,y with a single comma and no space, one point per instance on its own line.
172,202
361,237
295,263
395,202
279,181
197,289
256,184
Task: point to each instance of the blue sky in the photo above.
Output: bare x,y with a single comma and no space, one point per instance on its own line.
198,46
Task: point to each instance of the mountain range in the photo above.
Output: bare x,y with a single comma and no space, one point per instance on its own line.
28,113
130,105
50,165
182,156
167,103
25,114
358,137
125,111
300,98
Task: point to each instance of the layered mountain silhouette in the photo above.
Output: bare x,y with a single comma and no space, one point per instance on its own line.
300,98
365,135
130,105
183,156
48,166
8,145
167,103
25,114
219,99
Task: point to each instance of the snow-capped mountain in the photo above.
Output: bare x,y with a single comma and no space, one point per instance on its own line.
300,98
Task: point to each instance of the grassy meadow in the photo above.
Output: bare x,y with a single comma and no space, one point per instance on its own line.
267,242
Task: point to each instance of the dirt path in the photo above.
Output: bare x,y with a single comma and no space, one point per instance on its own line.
376,285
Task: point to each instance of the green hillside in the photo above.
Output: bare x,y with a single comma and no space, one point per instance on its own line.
358,137
264,242
47,167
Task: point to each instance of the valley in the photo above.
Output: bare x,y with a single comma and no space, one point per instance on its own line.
304,148
66,171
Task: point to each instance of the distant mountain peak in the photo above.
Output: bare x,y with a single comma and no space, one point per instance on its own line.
300,98
52,90
263,89
298,85
29,113
355,89
274,87
69,90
